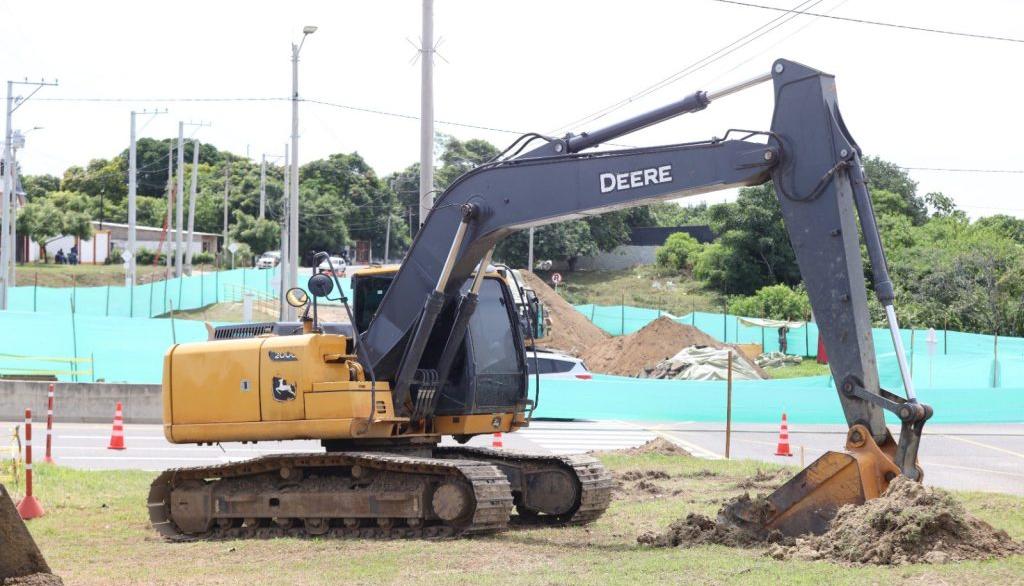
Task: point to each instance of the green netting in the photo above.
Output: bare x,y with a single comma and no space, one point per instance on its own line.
151,299
122,349
960,360
805,400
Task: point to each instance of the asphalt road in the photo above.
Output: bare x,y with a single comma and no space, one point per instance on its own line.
987,457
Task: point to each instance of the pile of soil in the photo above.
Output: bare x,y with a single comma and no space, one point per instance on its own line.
697,529
646,347
910,523
571,331
658,445
41,579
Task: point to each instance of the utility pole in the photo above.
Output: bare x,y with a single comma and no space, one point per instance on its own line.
192,205
427,112
293,210
179,219
170,207
133,179
285,309
263,187
227,188
6,242
387,240
529,257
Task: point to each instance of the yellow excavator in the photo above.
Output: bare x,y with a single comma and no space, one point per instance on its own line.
434,348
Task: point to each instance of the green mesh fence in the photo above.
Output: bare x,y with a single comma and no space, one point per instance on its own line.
152,299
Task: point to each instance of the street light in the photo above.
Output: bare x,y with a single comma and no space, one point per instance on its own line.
287,311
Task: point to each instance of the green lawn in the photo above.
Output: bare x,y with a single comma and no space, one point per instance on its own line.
86,275
676,294
96,532
809,367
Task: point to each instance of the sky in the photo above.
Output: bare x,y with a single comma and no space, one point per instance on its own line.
914,98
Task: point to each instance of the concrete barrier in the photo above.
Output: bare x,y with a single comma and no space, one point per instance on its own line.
81,402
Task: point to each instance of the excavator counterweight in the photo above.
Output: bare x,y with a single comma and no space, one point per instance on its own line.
435,347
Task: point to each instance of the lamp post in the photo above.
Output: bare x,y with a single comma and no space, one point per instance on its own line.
293,197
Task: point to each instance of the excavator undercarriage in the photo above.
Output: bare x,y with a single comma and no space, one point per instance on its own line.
453,491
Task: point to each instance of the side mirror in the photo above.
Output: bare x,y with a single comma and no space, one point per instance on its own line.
296,297
320,285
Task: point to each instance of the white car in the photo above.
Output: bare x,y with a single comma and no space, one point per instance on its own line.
339,266
555,365
268,260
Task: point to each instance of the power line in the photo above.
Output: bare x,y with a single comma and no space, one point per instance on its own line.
701,63
877,23
949,170
409,116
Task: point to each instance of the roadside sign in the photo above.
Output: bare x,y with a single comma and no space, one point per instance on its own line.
556,278
932,341
233,247
126,255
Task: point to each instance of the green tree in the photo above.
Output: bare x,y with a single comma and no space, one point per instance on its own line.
678,253
773,302
41,221
37,186
259,234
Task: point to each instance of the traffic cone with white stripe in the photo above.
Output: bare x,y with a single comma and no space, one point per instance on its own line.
783,448
496,442
117,435
29,507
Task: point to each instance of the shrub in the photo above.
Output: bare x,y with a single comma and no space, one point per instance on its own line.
678,253
773,302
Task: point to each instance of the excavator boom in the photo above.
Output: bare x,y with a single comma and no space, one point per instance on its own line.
815,166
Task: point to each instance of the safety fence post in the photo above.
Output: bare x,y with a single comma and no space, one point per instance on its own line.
728,405
74,342
107,307
622,311
202,300
35,289
995,360
911,353
945,335
216,286
48,457
29,507
725,320
170,309
131,301
151,287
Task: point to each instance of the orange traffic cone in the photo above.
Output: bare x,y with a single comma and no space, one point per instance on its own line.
496,442
117,435
783,449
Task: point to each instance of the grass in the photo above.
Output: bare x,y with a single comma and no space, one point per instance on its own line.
87,275
228,311
96,532
641,287
809,367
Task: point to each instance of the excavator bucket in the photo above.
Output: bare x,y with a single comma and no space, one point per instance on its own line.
809,501
19,555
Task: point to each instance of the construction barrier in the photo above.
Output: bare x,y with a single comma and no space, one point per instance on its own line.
29,507
117,433
48,458
783,447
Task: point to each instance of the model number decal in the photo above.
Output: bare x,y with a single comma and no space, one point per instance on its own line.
282,356
632,179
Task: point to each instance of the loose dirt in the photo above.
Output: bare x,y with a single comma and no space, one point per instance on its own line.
34,580
697,529
571,331
646,347
910,523
658,445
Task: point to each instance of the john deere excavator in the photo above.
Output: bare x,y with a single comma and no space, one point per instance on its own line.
435,349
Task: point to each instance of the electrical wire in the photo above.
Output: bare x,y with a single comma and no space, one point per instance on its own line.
878,23
701,63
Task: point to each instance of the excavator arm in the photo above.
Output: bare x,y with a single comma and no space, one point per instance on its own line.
815,166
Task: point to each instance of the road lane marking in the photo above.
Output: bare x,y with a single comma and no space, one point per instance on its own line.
984,445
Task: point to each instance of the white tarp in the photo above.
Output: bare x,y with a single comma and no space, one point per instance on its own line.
695,363
758,322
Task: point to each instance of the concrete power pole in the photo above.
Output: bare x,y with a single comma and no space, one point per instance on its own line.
427,112
529,257
6,213
179,218
227,188
387,240
132,188
169,224
263,187
285,309
192,205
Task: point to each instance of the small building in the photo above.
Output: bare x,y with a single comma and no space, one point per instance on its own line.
641,248
108,236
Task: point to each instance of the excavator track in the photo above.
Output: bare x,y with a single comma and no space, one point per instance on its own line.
593,483
364,495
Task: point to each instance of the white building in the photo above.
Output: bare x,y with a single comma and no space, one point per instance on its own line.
108,235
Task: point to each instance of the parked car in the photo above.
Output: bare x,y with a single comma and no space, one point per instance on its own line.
555,365
269,260
337,262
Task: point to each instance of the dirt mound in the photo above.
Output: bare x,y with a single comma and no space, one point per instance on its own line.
571,331
697,529
34,580
910,523
658,340
662,338
631,475
658,445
